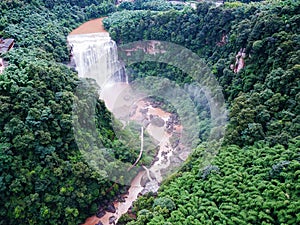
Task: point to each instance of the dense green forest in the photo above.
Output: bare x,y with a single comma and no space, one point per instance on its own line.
266,90
44,179
254,179
251,185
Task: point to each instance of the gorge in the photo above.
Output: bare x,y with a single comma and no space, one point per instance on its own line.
244,166
95,56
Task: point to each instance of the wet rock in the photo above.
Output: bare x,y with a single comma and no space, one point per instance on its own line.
183,156
152,175
144,180
163,154
156,104
112,220
151,186
146,122
168,124
100,213
121,199
175,160
110,208
155,160
143,117
169,131
133,111
165,159
175,143
157,121
144,111
178,149
174,120
169,127
130,209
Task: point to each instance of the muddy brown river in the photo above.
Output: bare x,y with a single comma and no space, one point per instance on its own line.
116,99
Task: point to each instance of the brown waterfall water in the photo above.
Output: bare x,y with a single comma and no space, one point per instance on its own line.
92,26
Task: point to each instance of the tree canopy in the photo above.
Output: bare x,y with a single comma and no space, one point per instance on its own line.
254,176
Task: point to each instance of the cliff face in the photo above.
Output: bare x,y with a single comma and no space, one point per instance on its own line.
239,61
1,65
5,46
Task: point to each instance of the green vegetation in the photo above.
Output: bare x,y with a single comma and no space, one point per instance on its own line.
44,179
155,5
263,97
251,185
254,179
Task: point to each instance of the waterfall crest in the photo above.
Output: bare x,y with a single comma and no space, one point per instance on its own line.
95,56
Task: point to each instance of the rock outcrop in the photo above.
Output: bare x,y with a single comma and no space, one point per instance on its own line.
239,61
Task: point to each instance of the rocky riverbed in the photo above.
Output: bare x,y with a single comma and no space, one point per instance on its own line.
164,127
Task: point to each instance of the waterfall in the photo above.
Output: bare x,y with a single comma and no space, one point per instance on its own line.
95,56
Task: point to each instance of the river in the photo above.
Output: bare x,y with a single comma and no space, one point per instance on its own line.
125,107
115,98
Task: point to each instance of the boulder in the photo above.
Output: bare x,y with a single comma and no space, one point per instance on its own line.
112,220
175,143
157,121
121,199
110,208
133,111
100,213
144,180
183,156
175,160
145,122
143,111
